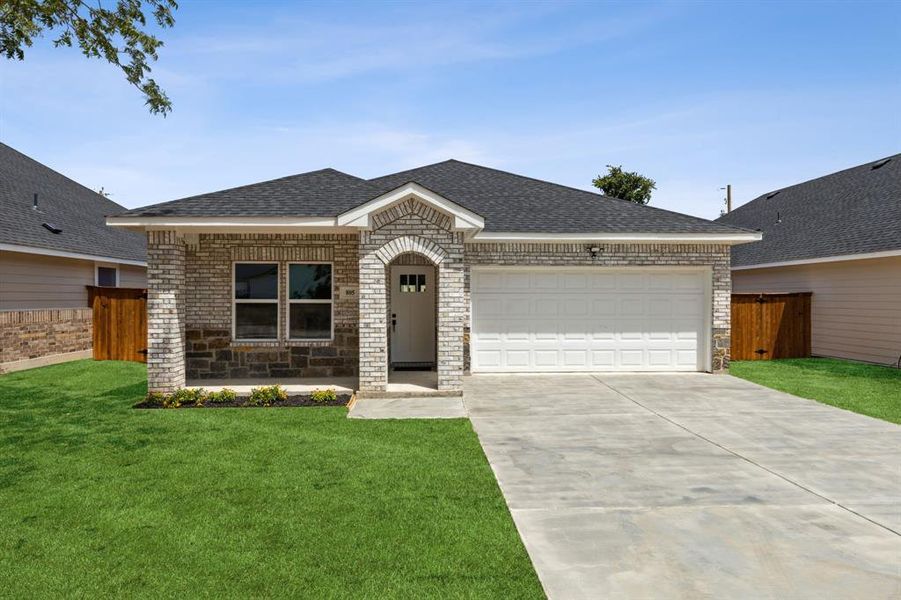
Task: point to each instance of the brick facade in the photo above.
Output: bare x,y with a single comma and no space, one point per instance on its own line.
190,296
31,334
211,351
715,256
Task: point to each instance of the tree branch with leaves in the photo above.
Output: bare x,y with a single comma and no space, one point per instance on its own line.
118,35
626,185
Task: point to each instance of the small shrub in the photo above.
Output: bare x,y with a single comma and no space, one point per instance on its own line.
323,396
186,396
155,399
267,395
171,401
224,396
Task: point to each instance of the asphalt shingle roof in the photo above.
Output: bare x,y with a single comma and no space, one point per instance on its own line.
506,201
854,211
323,193
78,211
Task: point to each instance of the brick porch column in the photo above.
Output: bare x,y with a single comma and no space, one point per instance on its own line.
165,311
373,370
451,317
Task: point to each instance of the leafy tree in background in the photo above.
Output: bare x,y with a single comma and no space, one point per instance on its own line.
626,185
117,34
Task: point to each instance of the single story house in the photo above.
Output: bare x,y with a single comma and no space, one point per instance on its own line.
838,236
453,267
54,242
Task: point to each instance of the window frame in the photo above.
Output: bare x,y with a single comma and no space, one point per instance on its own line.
98,266
277,301
291,301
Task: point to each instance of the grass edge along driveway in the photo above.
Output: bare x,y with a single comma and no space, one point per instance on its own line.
863,388
100,499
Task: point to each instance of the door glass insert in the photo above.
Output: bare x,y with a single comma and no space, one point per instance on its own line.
411,283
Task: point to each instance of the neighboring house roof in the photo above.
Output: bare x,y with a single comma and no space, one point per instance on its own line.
855,211
507,202
80,214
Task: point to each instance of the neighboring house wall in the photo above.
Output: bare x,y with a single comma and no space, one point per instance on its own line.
28,337
856,305
132,277
29,281
717,257
44,306
210,351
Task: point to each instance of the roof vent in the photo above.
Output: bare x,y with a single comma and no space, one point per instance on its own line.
879,164
51,228
772,194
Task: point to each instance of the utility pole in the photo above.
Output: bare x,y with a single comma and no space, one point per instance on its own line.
728,189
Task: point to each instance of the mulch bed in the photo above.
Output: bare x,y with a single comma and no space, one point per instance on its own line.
241,402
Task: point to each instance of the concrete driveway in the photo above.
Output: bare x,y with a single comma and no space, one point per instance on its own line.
692,486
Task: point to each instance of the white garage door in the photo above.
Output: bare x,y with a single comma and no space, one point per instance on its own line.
589,319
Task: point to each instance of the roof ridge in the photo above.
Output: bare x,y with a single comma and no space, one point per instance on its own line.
63,175
402,171
772,193
590,193
250,185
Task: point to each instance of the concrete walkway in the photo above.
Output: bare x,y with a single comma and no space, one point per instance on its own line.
692,486
436,407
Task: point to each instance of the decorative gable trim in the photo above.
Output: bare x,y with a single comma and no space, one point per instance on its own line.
413,207
462,218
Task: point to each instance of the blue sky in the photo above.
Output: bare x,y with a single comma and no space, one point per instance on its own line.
695,95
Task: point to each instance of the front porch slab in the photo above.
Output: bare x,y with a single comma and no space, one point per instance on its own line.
433,407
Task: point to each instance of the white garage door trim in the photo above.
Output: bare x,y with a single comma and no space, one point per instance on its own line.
704,341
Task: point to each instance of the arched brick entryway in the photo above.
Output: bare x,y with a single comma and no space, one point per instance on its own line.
443,249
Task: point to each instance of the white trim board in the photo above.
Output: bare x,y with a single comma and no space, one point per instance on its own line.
693,238
75,255
825,259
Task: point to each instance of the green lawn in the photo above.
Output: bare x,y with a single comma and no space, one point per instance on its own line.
98,499
866,389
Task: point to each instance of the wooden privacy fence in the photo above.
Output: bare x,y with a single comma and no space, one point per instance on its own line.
120,323
766,326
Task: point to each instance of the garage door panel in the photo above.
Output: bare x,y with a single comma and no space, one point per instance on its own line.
546,358
660,307
574,281
545,281
488,359
631,306
595,319
603,359
546,307
660,358
631,358
575,358
518,358
603,307
576,307
603,281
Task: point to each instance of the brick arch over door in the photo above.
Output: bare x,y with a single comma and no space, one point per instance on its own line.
411,233
409,244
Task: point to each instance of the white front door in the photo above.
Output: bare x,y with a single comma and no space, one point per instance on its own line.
412,317
590,319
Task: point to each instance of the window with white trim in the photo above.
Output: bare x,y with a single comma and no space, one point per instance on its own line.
255,301
106,276
310,301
